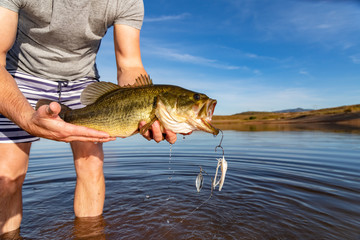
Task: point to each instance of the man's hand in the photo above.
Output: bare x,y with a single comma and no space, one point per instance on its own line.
155,133
46,123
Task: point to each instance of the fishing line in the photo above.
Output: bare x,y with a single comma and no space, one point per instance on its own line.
219,146
211,193
170,173
188,215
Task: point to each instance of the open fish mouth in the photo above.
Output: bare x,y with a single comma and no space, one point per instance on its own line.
208,109
197,118
204,117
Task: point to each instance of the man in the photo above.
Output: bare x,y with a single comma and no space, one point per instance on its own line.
48,48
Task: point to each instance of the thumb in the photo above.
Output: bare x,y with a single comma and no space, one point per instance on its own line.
53,109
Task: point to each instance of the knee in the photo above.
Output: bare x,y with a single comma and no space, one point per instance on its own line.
88,160
10,185
11,179
90,167
13,167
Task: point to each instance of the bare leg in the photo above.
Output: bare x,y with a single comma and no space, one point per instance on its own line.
90,183
90,228
14,161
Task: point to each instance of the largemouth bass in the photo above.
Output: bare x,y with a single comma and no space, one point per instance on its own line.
118,110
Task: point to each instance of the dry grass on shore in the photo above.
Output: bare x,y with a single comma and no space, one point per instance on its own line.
344,114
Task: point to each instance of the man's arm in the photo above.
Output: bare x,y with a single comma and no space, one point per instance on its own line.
129,67
127,53
42,123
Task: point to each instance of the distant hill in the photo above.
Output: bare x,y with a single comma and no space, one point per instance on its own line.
293,110
336,114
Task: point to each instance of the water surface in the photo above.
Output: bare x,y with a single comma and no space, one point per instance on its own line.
280,185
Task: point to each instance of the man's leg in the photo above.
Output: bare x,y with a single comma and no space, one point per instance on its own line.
14,159
90,183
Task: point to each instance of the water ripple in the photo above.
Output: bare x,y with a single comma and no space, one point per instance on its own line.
294,185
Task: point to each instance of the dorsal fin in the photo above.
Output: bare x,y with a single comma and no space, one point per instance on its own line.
95,90
142,80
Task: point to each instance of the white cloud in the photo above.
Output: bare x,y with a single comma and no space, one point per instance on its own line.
330,23
257,72
176,55
166,18
355,58
303,72
263,98
324,26
259,57
236,95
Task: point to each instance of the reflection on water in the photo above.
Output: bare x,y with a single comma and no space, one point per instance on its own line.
89,228
11,235
324,127
279,185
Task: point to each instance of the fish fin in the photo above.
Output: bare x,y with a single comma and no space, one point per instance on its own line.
142,80
95,90
63,110
148,125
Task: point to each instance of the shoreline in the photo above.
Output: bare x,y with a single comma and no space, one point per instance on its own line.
343,122
342,118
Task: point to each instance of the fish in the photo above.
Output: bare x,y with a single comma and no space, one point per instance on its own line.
222,163
118,110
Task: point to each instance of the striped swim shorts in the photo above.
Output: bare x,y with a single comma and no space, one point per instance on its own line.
34,88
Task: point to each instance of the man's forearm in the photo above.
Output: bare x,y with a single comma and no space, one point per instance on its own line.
126,76
13,104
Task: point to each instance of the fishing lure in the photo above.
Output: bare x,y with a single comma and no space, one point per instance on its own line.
199,180
222,163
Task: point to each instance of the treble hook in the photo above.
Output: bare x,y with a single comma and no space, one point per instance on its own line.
219,146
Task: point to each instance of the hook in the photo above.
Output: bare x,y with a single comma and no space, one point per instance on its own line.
219,146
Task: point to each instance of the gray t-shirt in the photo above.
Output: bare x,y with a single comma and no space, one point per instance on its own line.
58,39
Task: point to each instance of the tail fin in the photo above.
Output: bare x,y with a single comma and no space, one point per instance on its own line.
63,110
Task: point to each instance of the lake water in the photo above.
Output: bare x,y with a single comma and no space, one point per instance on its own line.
279,185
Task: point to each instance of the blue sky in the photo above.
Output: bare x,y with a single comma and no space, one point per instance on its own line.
252,55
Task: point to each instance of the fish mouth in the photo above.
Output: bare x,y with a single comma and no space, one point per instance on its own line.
204,117
197,118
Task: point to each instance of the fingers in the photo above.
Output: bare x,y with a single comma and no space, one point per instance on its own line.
154,132
69,133
157,134
84,134
147,134
170,136
88,139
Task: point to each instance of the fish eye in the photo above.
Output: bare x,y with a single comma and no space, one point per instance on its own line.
197,96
